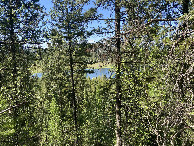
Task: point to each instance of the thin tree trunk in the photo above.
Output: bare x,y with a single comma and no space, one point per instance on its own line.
185,10
118,75
185,6
73,86
73,94
14,72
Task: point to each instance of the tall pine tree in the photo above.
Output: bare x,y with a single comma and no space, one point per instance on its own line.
66,62
19,38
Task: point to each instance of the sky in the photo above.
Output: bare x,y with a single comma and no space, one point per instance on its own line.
106,14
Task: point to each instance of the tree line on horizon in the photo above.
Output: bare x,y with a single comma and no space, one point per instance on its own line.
150,100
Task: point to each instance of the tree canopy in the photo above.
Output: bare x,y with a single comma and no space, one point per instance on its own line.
147,101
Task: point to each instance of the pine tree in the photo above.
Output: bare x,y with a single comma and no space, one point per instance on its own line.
66,63
142,60
19,33
150,49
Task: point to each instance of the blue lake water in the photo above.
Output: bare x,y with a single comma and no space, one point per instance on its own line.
101,72
97,73
39,75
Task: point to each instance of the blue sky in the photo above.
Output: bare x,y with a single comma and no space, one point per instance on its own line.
106,14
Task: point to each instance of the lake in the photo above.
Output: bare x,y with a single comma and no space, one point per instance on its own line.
101,72
97,73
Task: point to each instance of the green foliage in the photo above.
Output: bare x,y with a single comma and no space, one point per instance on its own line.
66,108
54,128
99,112
19,32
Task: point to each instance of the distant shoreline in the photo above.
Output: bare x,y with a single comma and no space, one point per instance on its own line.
100,65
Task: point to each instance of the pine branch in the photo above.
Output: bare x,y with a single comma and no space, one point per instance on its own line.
12,107
148,23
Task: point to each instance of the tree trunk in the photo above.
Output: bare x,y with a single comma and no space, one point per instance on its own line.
14,71
185,6
73,84
118,75
73,94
